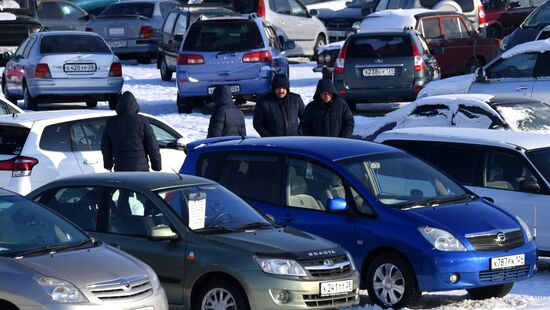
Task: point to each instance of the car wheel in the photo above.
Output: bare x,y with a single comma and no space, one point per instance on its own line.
7,95
493,32
320,42
30,102
91,103
165,72
490,291
184,105
113,101
221,294
391,281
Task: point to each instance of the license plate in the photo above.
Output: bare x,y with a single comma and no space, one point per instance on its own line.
379,72
234,89
507,261
79,67
337,33
116,31
336,288
117,44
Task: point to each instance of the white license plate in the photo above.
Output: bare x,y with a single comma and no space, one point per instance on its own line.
507,261
336,288
117,44
379,72
79,67
234,89
116,31
337,33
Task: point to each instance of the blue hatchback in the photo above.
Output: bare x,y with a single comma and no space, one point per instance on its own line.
409,227
242,52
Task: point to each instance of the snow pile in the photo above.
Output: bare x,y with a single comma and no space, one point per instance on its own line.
391,19
540,46
453,85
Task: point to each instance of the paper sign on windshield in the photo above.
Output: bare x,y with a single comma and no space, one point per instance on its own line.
197,210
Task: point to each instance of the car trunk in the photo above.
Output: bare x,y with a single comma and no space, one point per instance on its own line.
77,66
220,66
13,138
117,29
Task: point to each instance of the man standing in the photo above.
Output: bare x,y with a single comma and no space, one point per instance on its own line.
327,115
280,112
227,119
128,140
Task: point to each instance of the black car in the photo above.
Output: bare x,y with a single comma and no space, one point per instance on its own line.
383,66
175,25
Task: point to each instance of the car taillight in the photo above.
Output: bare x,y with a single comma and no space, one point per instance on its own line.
419,64
261,9
481,15
42,71
88,29
190,59
20,166
116,69
146,32
261,56
339,65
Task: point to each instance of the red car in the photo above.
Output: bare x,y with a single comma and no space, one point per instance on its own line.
503,16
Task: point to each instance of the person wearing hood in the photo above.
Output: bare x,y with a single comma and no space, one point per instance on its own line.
128,140
280,112
327,115
227,119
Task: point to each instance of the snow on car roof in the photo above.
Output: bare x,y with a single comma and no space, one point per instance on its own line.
540,46
454,85
391,19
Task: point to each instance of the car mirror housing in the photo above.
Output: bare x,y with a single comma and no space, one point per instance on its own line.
161,232
530,186
313,12
480,74
337,204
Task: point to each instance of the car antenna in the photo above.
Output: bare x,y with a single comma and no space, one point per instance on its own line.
179,175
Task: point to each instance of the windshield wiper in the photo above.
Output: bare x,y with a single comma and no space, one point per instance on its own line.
215,229
255,225
432,202
51,249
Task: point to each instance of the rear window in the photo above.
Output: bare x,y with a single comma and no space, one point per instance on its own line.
12,139
73,44
239,6
138,8
379,46
223,36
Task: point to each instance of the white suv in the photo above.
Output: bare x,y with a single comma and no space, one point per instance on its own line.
38,147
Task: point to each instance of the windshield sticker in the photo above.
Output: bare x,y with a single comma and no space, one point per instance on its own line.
197,210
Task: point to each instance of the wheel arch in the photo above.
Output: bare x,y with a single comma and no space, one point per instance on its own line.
215,275
377,252
6,305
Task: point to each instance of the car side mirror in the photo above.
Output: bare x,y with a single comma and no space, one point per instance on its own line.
288,45
178,37
530,186
480,74
513,5
181,144
337,204
161,232
366,11
314,12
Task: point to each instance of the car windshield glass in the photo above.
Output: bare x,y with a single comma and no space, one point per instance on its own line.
223,36
526,116
27,227
132,9
379,46
12,139
403,181
212,209
541,160
73,44
361,4
14,5
540,17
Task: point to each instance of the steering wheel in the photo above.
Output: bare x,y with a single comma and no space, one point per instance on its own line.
219,216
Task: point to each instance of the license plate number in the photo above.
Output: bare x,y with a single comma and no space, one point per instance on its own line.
337,33
117,44
507,261
379,72
234,89
116,31
79,67
336,288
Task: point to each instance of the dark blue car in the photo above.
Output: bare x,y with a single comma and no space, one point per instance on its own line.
530,28
408,226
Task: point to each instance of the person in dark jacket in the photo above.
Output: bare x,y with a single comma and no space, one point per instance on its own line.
128,140
280,112
327,115
227,119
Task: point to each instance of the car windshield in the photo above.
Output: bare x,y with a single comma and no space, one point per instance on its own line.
223,36
14,5
402,181
526,116
379,46
12,139
361,4
540,17
541,160
131,9
27,228
70,44
213,209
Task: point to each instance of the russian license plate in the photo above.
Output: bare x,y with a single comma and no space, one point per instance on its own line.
379,71
336,288
234,89
337,33
507,261
79,67
117,44
116,31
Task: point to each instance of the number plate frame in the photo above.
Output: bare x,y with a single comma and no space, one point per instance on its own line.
335,288
504,262
235,88
368,72
79,67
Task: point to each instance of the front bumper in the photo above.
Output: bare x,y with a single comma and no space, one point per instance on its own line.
75,88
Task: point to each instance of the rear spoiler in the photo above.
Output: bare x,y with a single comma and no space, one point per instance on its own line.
204,142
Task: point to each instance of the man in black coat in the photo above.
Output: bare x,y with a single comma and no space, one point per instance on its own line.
280,112
128,140
227,119
327,115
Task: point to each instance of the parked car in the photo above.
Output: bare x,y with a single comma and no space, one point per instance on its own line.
8,108
341,23
383,66
132,28
94,7
530,28
47,262
306,30
63,66
175,25
371,196
210,248
61,15
511,168
334,5
504,16
40,147
242,52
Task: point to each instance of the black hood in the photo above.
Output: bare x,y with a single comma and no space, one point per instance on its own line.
325,85
127,104
222,96
280,80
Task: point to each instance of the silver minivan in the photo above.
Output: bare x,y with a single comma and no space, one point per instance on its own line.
48,263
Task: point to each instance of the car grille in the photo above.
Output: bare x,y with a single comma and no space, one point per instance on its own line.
318,301
502,275
327,267
122,289
489,241
338,24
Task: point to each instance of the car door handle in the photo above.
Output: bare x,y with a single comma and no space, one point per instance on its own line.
89,162
520,88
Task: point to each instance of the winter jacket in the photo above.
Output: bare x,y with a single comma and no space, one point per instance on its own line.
227,119
278,117
333,119
128,139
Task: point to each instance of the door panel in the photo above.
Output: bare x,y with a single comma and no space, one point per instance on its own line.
86,142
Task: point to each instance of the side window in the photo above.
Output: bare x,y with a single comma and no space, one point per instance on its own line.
542,67
29,47
86,134
181,25
460,163
505,171
281,6
297,9
169,23
472,116
56,138
165,137
70,11
453,28
394,4
165,8
416,148
21,48
273,39
49,10
429,27
214,166
517,66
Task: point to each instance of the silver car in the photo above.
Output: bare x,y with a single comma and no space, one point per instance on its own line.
132,28
63,66
48,263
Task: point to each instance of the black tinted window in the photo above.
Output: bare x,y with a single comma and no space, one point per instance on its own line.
223,35
78,204
379,46
135,8
462,164
86,134
73,44
517,66
12,139
56,138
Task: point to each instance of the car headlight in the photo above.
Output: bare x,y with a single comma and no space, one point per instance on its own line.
525,228
441,239
59,290
350,260
278,266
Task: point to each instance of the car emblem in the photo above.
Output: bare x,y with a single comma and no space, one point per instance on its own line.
126,286
328,262
501,237
378,61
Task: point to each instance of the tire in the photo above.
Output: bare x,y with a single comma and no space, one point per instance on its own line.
493,32
113,101
30,102
184,106
404,289
7,95
232,297
91,103
487,292
320,42
165,72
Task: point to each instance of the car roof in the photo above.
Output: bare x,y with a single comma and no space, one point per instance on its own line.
65,33
539,46
198,8
400,18
55,116
502,138
146,1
